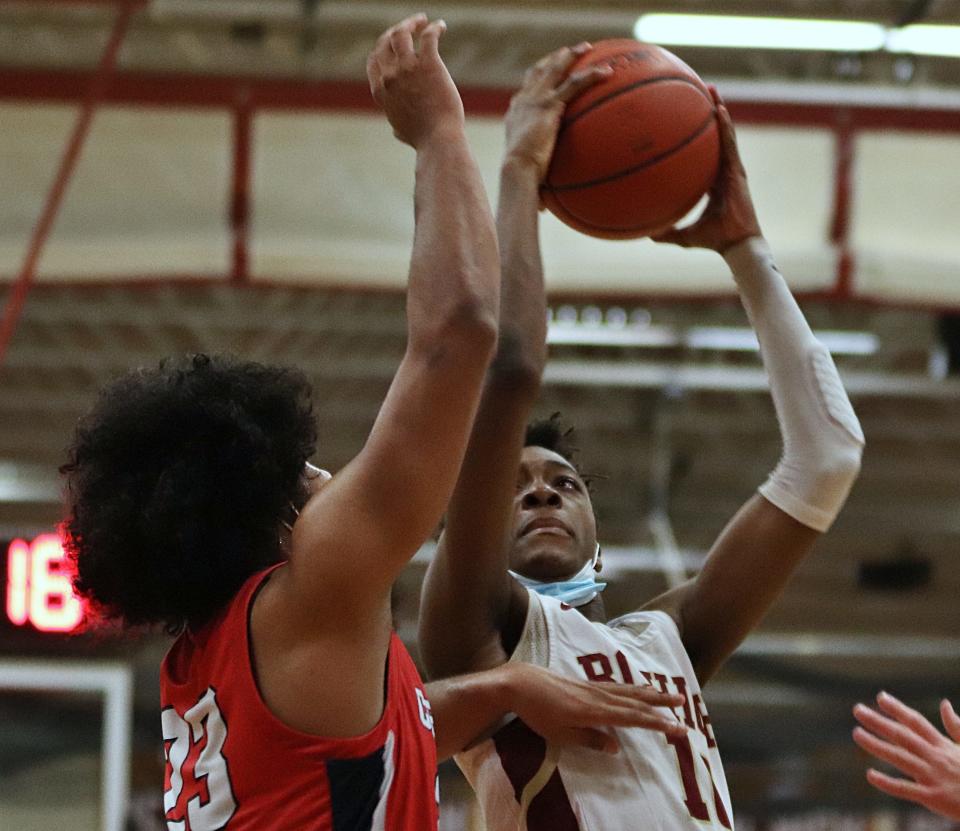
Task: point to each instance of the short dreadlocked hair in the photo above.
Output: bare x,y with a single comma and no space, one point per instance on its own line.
176,482
551,434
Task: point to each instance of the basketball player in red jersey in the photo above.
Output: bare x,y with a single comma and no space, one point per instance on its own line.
521,505
288,701
902,737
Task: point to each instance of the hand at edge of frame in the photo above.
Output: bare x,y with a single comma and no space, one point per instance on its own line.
902,737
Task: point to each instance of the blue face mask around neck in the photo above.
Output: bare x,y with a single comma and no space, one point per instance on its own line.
577,591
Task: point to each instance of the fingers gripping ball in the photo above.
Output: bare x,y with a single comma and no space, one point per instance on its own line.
636,151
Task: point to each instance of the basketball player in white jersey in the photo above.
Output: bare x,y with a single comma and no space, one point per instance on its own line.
514,578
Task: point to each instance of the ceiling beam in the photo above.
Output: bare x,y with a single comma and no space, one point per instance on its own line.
750,103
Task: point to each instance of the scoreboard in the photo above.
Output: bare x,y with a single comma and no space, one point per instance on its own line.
66,696
37,591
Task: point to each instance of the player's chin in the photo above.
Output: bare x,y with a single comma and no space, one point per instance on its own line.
547,560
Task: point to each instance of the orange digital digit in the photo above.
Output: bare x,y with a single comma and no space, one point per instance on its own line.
38,586
18,582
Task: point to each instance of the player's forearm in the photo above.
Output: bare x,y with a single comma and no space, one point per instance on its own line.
467,591
467,707
522,351
453,292
822,438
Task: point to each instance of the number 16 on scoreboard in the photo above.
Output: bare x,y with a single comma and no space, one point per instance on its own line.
38,586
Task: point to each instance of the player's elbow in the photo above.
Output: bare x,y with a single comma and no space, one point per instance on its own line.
841,459
470,332
829,481
434,660
814,487
466,330
517,368
838,470
441,656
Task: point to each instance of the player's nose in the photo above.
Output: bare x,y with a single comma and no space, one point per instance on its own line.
539,496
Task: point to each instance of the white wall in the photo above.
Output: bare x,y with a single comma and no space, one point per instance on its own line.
332,203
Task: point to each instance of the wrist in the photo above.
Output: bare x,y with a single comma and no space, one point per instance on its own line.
440,137
524,168
745,250
505,685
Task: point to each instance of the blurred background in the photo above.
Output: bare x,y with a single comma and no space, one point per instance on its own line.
210,175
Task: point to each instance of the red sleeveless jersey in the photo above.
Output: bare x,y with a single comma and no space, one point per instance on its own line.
232,765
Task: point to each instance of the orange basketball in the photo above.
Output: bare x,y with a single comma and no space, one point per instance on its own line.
636,151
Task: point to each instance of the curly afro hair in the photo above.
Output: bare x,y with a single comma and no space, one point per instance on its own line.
176,482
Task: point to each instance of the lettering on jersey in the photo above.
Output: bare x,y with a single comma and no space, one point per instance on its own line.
426,713
703,721
656,679
597,666
624,668
717,801
681,684
688,774
198,795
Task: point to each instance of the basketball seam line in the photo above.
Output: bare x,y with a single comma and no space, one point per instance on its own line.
629,88
648,163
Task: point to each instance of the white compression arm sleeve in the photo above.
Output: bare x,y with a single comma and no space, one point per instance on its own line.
822,439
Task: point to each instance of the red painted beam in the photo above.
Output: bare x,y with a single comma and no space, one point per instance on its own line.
170,90
844,151
183,90
240,192
853,117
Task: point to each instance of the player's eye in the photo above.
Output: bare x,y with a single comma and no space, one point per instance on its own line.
568,482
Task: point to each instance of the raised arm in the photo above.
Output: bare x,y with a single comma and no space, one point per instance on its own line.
750,563
468,596
356,534
564,711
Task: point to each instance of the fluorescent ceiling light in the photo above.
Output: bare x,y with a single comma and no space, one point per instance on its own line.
723,338
577,334
760,32
27,483
719,338
925,39
744,339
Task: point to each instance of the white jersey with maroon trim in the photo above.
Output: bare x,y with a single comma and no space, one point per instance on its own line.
655,783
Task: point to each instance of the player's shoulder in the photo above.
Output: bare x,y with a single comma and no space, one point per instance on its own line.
176,665
645,625
212,646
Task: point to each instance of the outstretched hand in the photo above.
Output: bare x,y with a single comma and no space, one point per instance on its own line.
412,84
729,217
569,712
536,109
903,738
